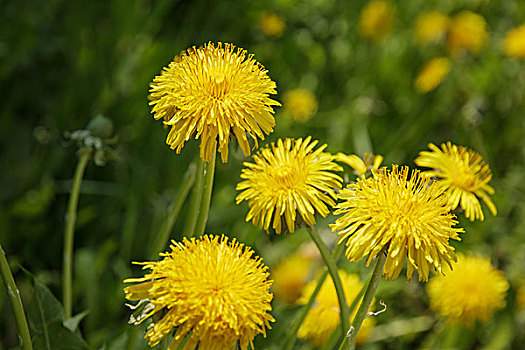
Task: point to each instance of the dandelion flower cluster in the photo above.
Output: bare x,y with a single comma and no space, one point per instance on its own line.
360,166
377,19
272,25
409,216
287,178
474,290
301,104
210,287
214,92
431,27
514,42
467,31
432,74
290,276
464,176
323,317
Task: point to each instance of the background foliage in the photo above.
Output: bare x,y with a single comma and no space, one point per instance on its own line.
64,62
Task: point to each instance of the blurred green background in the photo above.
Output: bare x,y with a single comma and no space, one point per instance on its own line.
65,62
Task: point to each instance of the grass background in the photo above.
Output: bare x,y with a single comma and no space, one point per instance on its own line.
64,62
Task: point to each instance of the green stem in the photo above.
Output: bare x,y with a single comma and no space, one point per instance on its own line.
290,341
132,337
159,243
332,269
207,186
195,201
362,312
16,302
71,218
165,343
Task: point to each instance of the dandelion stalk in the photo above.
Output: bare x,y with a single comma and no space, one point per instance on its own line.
332,269
71,218
362,312
290,342
16,302
164,234
208,173
195,201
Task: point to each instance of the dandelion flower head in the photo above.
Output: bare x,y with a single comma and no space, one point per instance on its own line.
360,166
272,25
287,178
474,290
210,287
467,31
301,104
290,276
514,42
432,74
431,27
409,216
323,317
214,92
376,19
464,176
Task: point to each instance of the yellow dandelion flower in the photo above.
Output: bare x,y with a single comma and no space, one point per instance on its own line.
431,27
290,277
323,317
361,166
376,19
432,74
409,216
287,178
467,31
214,92
301,104
514,42
210,287
474,290
464,176
272,25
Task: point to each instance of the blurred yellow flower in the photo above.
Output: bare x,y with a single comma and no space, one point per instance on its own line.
301,104
467,31
323,317
215,92
432,74
272,25
410,216
287,178
376,19
431,27
290,276
474,290
514,42
210,287
361,166
463,174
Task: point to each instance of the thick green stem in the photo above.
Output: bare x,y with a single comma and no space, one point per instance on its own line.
290,341
71,218
160,240
362,312
195,201
16,302
207,186
332,269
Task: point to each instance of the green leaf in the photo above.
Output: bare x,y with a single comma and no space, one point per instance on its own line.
73,322
46,318
43,311
60,338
